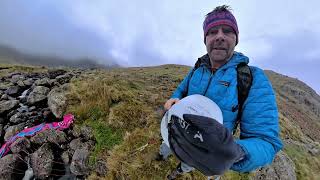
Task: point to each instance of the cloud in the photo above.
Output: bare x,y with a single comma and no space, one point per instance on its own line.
139,33
296,55
43,28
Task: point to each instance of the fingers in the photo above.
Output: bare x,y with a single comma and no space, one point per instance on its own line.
170,102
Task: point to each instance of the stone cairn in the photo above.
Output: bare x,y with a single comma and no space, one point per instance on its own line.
29,99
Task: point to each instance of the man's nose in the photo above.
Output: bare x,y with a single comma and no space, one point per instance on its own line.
220,35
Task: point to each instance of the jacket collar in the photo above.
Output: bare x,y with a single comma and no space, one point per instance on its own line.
236,59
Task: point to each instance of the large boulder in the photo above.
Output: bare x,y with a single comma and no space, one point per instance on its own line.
5,85
55,72
20,145
14,91
87,133
11,167
28,82
80,160
49,135
43,82
282,168
17,77
57,100
8,105
42,161
17,118
63,79
38,95
12,130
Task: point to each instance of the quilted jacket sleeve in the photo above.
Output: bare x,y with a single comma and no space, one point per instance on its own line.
259,135
182,87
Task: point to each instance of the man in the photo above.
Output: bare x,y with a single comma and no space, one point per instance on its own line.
216,78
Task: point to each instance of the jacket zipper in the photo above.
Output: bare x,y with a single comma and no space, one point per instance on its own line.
211,74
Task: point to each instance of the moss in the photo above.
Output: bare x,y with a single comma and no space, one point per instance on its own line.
105,136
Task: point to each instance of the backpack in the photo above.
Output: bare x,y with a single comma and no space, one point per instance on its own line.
244,82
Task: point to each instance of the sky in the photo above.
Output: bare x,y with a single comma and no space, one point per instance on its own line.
283,36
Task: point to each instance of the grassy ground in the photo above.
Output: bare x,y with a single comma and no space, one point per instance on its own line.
123,106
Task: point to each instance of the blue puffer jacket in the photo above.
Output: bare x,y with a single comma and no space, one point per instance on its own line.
259,136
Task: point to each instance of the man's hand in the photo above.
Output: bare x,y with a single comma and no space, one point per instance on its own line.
170,102
203,143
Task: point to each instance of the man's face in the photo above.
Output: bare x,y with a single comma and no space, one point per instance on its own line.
220,43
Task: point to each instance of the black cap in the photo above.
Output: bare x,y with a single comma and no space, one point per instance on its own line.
203,143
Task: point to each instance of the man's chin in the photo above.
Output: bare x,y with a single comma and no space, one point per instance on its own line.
218,57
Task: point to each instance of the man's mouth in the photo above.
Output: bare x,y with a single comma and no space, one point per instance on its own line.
219,48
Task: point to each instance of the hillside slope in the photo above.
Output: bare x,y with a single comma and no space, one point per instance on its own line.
10,55
123,106
134,98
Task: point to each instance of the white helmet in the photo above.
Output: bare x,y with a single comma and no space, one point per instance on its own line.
194,104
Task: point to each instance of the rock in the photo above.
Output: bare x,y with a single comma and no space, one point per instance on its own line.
57,100
65,157
49,135
54,83
4,85
32,108
11,98
314,151
28,82
63,79
1,93
75,144
87,133
16,78
56,72
12,130
79,164
4,97
11,167
80,143
8,105
36,75
76,131
89,145
282,168
11,113
13,91
20,145
38,95
43,82
101,168
17,118
42,161
21,84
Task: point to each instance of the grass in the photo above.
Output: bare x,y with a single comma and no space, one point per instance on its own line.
307,166
106,138
122,106
9,68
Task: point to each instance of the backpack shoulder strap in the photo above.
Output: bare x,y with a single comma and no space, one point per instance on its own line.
244,82
195,67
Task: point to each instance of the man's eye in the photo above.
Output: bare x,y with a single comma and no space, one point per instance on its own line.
227,31
213,32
